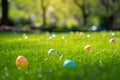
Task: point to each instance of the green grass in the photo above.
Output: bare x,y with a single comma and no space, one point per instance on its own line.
101,63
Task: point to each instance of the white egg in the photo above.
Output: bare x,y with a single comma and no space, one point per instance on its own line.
52,51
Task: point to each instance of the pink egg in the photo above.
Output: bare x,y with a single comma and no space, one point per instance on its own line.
81,33
87,47
112,40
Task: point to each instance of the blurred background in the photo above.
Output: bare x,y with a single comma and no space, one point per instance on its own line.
59,15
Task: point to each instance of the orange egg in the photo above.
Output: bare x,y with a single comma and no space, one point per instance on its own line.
88,47
21,61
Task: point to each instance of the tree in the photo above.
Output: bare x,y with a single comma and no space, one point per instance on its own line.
84,6
5,19
44,6
111,10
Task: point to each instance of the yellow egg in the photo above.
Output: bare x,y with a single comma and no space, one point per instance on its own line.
88,35
104,36
26,37
21,61
87,47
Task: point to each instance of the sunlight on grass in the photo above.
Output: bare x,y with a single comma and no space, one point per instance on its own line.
101,62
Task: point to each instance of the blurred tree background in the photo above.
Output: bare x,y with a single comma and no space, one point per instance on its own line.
60,15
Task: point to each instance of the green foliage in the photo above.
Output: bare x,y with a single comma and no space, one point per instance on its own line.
94,20
0,10
102,62
65,12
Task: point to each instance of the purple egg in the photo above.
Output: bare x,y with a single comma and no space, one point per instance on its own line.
112,40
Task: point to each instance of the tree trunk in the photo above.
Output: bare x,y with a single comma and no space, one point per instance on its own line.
107,22
4,20
44,17
111,21
84,19
84,16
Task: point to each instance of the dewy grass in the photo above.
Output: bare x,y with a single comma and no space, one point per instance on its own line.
102,62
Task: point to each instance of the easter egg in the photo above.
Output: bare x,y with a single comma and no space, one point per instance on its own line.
104,35
47,33
81,33
88,35
52,51
63,37
53,35
113,34
87,47
21,61
93,28
69,64
112,40
50,37
26,37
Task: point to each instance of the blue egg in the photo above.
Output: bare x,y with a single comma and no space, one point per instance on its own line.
69,64
52,51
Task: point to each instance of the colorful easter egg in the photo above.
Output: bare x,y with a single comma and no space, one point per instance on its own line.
52,51
112,40
87,47
21,61
69,64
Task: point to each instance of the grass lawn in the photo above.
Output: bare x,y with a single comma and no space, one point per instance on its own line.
102,62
